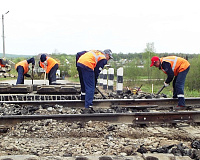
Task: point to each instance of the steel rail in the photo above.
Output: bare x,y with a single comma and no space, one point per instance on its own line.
129,118
106,103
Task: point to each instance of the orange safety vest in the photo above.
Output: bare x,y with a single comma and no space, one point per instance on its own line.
178,64
50,63
91,58
24,64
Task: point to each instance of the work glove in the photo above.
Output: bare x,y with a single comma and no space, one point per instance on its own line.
45,63
166,84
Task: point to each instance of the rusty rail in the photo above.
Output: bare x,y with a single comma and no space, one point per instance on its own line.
105,103
131,118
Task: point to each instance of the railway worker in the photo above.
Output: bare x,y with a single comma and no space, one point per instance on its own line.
2,63
50,66
22,68
90,65
177,68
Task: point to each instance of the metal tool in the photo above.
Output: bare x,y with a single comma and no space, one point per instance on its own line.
104,97
160,90
45,74
32,73
138,89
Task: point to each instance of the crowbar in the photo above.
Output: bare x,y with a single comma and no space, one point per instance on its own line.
138,89
45,74
104,97
160,90
32,73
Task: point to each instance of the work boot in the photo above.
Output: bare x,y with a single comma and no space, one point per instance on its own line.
54,83
174,96
178,108
89,110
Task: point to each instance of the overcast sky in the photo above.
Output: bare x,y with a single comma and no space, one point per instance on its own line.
69,26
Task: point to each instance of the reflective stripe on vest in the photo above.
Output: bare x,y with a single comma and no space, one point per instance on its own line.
96,56
50,63
44,61
173,60
178,64
91,58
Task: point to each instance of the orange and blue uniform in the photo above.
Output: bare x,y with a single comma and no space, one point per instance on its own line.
24,64
22,68
50,66
90,65
178,67
178,64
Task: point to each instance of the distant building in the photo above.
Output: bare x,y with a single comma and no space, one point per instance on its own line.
140,66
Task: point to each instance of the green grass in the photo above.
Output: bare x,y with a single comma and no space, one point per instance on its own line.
146,87
192,93
72,79
7,78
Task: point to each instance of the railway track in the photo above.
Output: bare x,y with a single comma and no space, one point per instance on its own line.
138,118
74,100
135,111
33,116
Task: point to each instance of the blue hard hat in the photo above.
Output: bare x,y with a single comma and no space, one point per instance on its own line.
109,52
43,58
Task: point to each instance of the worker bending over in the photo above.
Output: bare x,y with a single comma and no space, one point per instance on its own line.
50,66
174,66
90,65
22,68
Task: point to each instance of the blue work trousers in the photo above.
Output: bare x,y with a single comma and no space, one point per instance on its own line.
52,75
20,78
82,83
178,87
87,80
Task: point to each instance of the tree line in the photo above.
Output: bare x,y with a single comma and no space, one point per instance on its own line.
136,66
